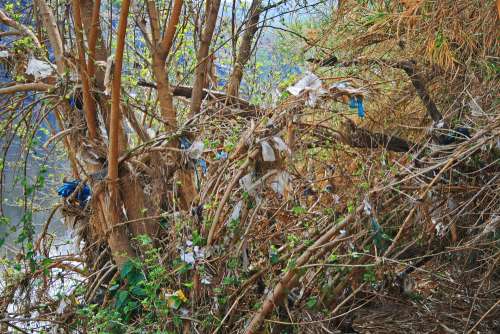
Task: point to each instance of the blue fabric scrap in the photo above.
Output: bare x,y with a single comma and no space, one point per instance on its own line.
69,187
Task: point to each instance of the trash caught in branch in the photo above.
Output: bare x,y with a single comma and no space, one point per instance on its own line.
39,69
310,87
69,188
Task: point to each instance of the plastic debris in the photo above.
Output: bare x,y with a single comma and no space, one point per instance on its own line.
203,165
361,108
367,208
235,215
336,199
69,187
280,145
196,150
188,257
344,87
184,143
4,54
39,69
280,182
246,183
151,133
267,151
222,155
174,300
190,254
352,102
310,85
439,125
357,102
108,75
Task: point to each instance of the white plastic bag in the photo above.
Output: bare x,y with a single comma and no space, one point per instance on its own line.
280,182
309,85
281,145
267,151
196,150
39,69
235,215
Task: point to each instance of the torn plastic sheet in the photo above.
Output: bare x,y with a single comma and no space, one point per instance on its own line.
352,102
196,150
267,151
361,108
346,88
280,145
310,84
39,69
4,54
357,102
251,187
151,133
235,215
190,254
222,155
440,124
246,184
280,182
367,208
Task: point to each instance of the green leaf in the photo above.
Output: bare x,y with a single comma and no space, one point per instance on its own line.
297,210
138,291
121,299
127,268
311,302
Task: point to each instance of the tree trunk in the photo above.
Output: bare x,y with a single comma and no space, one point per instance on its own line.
53,32
88,101
118,239
244,51
202,55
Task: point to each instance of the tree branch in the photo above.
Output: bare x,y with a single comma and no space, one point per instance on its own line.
88,102
417,81
19,27
202,55
35,86
53,32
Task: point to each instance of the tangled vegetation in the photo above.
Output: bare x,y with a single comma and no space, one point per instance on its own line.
250,167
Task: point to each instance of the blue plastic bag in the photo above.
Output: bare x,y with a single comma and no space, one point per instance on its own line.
69,188
361,109
352,102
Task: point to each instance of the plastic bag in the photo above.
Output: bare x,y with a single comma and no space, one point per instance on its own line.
39,69
267,151
196,150
310,84
280,182
280,145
